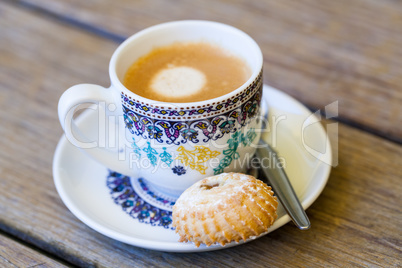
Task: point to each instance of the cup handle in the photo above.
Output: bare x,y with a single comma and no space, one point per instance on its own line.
89,93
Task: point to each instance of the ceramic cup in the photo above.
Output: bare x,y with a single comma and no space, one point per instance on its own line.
173,145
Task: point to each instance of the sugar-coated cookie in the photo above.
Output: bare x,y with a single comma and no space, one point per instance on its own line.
224,208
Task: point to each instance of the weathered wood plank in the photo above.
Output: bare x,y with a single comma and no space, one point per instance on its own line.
356,220
317,51
15,254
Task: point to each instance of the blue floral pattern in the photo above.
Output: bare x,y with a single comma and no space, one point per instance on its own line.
218,120
145,188
123,195
166,157
136,149
179,170
151,152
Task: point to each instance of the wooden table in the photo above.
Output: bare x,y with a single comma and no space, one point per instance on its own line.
316,51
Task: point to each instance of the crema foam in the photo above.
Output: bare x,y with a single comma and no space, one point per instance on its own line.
186,72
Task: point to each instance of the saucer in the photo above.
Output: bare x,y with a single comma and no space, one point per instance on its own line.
95,195
151,195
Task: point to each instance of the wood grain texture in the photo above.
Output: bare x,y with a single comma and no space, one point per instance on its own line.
317,51
14,254
356,221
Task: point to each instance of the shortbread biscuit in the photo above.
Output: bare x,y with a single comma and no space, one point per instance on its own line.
224,208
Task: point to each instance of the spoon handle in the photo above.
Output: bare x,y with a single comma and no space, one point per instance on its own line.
279,182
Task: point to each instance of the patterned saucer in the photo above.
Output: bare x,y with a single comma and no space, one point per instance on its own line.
109,203
124,195
151,195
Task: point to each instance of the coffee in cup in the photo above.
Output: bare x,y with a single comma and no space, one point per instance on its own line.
186,72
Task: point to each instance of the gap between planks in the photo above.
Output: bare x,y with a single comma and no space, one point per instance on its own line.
35,248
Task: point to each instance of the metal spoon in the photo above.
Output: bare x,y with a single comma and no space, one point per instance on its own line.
279,181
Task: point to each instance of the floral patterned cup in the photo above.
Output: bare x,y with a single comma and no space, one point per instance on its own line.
173,145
